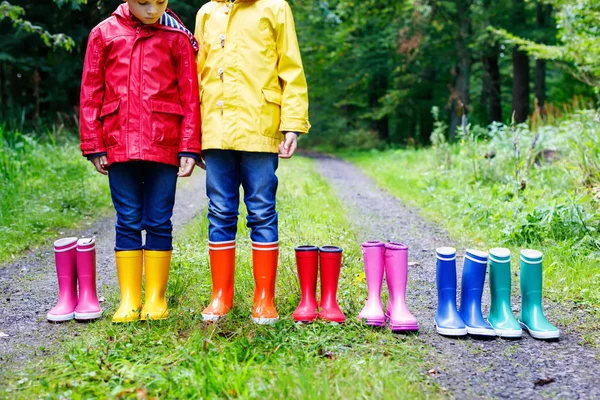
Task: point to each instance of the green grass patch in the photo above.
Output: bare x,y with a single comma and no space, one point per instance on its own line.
45,187
480,199
182,357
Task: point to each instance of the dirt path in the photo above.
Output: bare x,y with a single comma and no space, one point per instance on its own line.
526,368
28,286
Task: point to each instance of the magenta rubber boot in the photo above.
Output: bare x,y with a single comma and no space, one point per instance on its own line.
65,256
88,307
374,260
396,275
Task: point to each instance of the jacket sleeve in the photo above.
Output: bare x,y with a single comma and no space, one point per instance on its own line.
294,102
201,56
92,96
187,82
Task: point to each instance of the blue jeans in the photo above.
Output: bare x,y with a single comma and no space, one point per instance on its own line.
143,194
226,170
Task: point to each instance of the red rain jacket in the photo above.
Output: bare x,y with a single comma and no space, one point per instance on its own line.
139,92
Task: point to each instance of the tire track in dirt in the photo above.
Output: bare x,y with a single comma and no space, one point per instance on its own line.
467,367
29,286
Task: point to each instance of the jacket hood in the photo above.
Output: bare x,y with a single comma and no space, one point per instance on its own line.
169,20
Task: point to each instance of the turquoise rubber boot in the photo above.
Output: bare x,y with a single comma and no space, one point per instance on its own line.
532,317
501,317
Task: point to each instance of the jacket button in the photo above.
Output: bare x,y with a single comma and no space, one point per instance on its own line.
220,103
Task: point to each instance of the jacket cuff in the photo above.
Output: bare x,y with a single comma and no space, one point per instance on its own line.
94,155
195,156
300,125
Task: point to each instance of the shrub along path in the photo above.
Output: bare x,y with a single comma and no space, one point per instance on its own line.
28,286
525,368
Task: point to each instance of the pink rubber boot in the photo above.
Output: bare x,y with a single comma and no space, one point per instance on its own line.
65,256
88,307
374,260
396,272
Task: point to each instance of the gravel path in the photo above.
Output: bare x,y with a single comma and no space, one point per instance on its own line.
29,286
466,368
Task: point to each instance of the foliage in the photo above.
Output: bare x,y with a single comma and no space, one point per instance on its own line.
578,23
183,357
45,187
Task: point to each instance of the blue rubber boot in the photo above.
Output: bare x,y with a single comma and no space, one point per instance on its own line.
447,320
501,316
532,318
473,279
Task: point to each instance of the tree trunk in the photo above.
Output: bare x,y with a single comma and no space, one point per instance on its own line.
377,89
491,87
460,96
520,89
543,21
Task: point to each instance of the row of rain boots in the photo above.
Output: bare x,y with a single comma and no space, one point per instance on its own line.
393,259
75,266
308,261
130,265
468,319
222,267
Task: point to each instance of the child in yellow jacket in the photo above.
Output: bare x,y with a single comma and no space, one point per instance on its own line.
254,105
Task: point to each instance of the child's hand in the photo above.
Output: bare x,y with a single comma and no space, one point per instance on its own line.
287,148
186,166
101,164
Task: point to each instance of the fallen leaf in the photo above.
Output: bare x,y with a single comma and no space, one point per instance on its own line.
432,372
544,381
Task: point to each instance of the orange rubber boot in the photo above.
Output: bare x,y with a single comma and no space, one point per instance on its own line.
264,259
222,269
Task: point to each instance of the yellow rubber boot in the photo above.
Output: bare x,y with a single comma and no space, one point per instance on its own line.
157,265
129,270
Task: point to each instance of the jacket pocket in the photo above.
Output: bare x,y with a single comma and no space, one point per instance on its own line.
270,113
111,123
166,122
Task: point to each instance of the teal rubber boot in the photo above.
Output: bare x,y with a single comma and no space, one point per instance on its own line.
532,317
501,317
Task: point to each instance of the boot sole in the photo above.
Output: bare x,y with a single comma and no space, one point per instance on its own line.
451,331
509,333
401,328
481,332
540,335
265,321
60,318
212,318
88,316
373,322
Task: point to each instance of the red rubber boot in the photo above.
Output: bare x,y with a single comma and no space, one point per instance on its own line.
307,261
330,259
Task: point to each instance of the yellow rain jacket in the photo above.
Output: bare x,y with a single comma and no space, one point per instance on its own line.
252,83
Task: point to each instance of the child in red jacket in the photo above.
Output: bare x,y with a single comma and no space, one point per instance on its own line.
140,125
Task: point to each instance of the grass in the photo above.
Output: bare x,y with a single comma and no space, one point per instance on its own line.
183,357
45,188
479,202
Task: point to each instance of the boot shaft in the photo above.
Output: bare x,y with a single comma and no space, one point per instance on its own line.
265,258
531,272
446,275
330,260
374,263
396,267
65,257
307,263
473,277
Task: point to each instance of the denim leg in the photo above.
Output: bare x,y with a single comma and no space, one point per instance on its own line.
257,172
223,191
160,182
126,190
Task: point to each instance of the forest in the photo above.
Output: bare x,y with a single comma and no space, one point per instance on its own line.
377,67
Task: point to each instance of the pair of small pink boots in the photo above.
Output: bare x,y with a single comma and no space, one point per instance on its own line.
75,261
393,259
